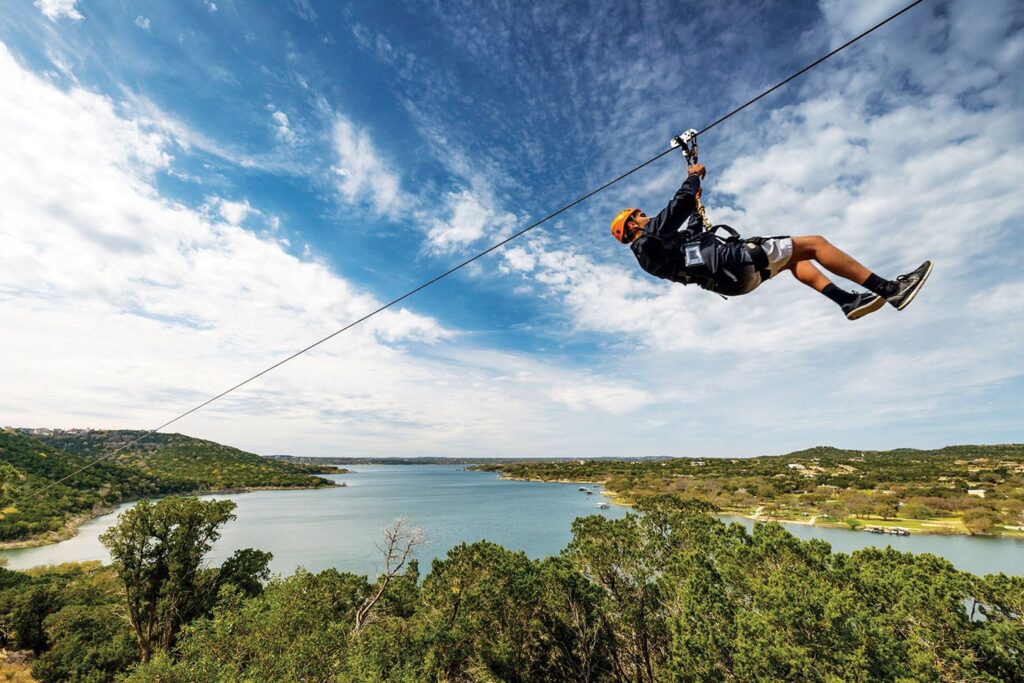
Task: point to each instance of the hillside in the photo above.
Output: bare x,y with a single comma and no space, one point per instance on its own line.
177,455
162,464
957,489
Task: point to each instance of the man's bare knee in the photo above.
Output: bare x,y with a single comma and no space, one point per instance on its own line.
807,247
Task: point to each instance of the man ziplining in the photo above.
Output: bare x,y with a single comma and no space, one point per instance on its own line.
733,266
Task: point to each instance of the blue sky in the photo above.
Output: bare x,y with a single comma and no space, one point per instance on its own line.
193,190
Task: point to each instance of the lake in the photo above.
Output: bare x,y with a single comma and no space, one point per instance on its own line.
339,527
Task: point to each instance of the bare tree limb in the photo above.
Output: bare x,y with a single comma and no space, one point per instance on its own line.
398,546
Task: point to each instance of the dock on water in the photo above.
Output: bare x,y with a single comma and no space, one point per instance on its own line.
891,530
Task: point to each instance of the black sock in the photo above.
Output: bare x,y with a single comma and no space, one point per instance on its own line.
840,296
881,286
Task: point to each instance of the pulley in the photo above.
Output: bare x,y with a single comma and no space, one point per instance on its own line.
688,142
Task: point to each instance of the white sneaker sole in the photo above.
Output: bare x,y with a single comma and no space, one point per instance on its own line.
859,313
920,284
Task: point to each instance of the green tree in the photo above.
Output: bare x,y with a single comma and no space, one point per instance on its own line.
621,559
391,649
918,511
157,549
91,644
573,623
997,616
247,569
296,630
980,520
31,609
481,613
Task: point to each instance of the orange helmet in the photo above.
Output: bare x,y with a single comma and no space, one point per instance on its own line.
619,224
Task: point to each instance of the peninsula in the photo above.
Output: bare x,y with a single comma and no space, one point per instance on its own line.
953,490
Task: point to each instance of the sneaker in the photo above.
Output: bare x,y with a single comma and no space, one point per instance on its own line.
910,284
862,305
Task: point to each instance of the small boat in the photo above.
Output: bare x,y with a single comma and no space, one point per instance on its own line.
590,493
584,489
603,506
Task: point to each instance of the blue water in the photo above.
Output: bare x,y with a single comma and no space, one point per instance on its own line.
340,527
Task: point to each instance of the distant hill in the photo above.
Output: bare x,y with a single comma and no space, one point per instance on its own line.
31,460
177,455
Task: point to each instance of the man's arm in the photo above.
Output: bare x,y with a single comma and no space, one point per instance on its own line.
680,207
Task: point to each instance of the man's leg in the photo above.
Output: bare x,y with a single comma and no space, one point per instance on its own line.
833,259
805,272
854,305
899,293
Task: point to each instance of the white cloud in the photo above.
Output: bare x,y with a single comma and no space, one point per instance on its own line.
147,114
55,9
518,259
466,217
282,128
361,175
234,213
304,9
212,6
90,246
142,22
137,307
608,398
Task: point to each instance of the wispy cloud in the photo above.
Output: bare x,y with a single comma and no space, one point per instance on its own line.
55,9
304,9
234,213
191,139
138,307
282,127
174,265
361,174
465,219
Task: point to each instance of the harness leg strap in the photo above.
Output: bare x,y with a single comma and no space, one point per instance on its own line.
759,258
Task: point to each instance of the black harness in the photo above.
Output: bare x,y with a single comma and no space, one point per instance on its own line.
730,266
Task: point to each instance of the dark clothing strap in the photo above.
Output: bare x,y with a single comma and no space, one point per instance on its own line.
728,266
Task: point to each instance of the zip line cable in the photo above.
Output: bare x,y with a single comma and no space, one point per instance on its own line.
468,261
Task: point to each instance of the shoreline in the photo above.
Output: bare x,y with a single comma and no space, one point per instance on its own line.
70,528
811,520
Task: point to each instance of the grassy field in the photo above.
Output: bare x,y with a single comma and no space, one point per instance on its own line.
16,673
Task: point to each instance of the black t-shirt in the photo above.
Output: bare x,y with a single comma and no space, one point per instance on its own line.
659,250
